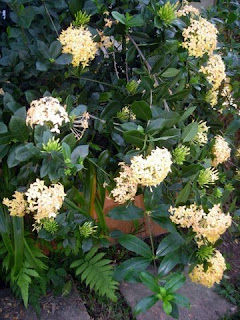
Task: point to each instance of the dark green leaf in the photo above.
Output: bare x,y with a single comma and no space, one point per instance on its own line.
168,263
136,245
169,244
131,265
150,281
181,300
170,72
142,110
65,58
190,132
18,128
145,304
175,283
134,137
119,17
184,194
126,213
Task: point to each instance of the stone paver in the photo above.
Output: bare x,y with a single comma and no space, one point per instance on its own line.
205,303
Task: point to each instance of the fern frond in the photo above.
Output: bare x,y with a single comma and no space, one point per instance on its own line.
97,273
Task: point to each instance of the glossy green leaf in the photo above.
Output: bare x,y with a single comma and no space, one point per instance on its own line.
145,304
126,213
190,132
184,194
142,110
136,245
170,72
169,244
18,128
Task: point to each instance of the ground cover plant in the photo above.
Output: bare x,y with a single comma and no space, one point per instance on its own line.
97,104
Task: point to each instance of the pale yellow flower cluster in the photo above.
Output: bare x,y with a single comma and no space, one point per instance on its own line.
17,206
43,201
78,41
149,171
221,151
200,37
126,114
213,225
126,187
187,9
214,71
212,97
80,125
214,272
47,111
153,169
186,217
207,226
226,94
105,41
201,136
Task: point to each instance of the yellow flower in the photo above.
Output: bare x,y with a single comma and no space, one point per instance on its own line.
186,217
47,111
78,41
188,9
126,114
212,97
200,37
108,23
214,272
214,71
221,151
201,136
212,226
152,170
44,202
16,206
126,187
80,125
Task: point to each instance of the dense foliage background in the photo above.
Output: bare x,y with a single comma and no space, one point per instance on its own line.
146,70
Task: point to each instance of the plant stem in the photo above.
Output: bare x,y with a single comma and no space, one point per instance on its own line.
149,68
46,9
152,244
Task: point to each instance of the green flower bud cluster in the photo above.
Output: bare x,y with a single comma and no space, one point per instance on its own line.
50,225
180,154
167,13
132,86
52,145
204,253
81,19
86,230
207,176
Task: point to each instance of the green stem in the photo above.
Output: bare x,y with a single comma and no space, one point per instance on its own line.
151,240
71,205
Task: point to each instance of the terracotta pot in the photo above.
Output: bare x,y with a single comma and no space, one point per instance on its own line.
128,226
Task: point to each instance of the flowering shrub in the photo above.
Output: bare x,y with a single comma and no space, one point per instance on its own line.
96,103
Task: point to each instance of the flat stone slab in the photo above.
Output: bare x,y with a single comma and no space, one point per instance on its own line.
52,308
205,303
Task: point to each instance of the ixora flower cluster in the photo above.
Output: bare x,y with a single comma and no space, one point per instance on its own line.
215,74
208,228
221,151
41,201
147,172
49,111
200,37
214,272
187,9
78,41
